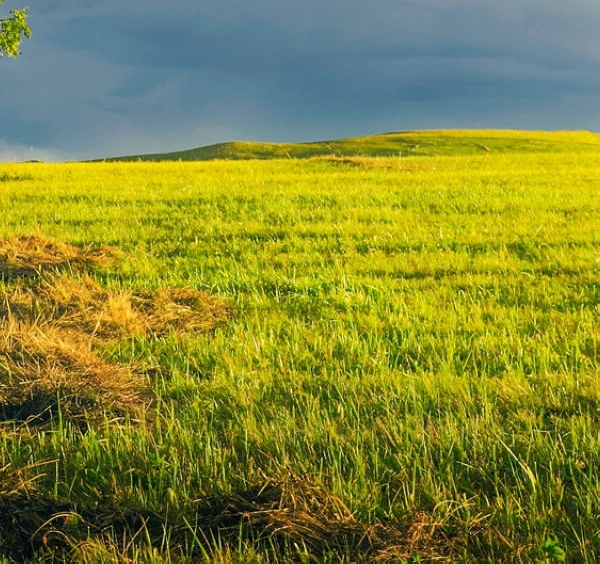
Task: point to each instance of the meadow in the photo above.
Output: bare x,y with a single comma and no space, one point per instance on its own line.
397,358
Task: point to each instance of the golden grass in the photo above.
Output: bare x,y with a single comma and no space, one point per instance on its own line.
43,366
32,255
84,306
52,324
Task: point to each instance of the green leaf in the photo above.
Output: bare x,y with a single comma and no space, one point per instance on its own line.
12,31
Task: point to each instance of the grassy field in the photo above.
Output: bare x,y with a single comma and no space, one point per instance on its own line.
330,359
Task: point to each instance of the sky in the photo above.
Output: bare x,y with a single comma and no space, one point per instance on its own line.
119,77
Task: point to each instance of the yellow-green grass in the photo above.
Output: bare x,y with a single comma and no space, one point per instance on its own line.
412,355
406,143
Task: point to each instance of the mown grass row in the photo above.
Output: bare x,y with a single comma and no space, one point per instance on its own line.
412,356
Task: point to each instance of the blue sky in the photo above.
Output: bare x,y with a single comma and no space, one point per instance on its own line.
109,78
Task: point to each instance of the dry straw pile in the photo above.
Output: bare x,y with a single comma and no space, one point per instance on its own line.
54,318
281,514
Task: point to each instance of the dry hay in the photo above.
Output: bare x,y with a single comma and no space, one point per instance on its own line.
53,323
32,255
294,512
83,306
17,523
44,368
285,513
396,163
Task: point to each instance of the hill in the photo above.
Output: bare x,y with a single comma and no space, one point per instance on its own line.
408,143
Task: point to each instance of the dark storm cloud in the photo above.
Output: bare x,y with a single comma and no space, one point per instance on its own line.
111,77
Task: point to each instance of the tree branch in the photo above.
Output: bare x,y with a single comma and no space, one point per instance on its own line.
12,31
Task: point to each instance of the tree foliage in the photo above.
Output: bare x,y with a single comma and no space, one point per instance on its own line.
12,30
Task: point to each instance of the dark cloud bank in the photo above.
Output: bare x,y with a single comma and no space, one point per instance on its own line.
108,78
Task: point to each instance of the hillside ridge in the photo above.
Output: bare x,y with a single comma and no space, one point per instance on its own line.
401,143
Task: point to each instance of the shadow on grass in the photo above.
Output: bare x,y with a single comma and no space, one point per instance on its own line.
287,516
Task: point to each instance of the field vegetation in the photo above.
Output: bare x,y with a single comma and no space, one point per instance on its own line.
342,358
397,144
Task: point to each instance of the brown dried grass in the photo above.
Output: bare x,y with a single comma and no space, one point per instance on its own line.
43,367
295,512
52,324
83,306
395,163
31,255
276,513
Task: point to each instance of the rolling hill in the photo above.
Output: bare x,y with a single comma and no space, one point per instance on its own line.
409,143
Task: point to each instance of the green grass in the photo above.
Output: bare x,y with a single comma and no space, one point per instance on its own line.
416,340
401,144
